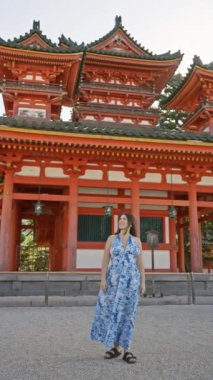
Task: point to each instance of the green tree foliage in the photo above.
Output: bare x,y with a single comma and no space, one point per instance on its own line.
207,237
171,119
207,243
33,258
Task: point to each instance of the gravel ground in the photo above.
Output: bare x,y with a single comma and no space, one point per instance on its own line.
171,343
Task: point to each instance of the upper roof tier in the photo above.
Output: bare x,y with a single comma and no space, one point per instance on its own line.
194,89
117,42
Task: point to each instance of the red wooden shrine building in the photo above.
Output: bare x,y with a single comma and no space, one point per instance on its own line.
111,153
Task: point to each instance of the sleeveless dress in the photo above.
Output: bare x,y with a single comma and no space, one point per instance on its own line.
116,308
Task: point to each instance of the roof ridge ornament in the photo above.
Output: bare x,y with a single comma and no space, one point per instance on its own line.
118,21
36,25
197,61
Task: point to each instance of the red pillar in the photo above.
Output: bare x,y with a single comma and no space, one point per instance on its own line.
72,232
181,257
196,265
14,237
200,243
135,203
6,221
173,246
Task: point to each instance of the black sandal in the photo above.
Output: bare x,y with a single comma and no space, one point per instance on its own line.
129,357
111,354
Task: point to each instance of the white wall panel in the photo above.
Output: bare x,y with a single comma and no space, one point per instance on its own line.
161,259
89,258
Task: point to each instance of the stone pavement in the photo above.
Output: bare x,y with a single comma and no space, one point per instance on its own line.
52,343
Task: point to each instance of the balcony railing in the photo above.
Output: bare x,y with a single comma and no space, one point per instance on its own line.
43,87
118,87
104,107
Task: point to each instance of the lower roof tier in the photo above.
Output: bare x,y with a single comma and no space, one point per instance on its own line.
106,129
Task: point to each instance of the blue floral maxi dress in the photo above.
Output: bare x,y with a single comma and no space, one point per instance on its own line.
116,308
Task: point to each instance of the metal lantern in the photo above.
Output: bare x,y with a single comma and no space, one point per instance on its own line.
108,210
107,207
38,210
152,240
172,212
172,209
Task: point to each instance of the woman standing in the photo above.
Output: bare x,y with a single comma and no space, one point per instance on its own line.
122,276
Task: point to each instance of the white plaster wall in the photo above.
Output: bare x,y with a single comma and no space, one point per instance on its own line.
154,193
92,174
127,121
154,207
89,258
206,181
94,190
152,178
29,171
118,176
55,173
96,205
161,259
175,179
89,117
108,119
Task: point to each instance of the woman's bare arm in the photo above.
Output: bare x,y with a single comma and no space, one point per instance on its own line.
105,261
141,266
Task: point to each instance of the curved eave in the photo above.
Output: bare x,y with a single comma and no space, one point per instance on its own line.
155,58
55,49
114,140
22,54
30,34
190,84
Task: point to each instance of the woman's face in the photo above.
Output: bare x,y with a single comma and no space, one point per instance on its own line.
123,223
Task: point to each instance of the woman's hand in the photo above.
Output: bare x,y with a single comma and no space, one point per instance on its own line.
143,289
103,285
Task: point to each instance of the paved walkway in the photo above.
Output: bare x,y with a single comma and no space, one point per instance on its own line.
171,342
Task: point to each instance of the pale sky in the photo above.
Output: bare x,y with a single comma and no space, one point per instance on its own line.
158,25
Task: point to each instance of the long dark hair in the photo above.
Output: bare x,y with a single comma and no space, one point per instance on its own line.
131,222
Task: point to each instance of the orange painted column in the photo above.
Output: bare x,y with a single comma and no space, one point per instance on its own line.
72,232
14,237
173,246
181,257
135,203
6,221
201,248
196,265
211,126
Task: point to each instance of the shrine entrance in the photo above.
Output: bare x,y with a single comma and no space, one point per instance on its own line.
40,240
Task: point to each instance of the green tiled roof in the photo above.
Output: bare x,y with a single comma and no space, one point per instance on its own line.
71,46
107,129
35,30
161,57
69,43
118,25
52,47
149,55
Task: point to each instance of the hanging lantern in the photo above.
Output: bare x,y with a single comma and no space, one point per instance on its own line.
108,210
107,207
172,212
38,210
172,209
